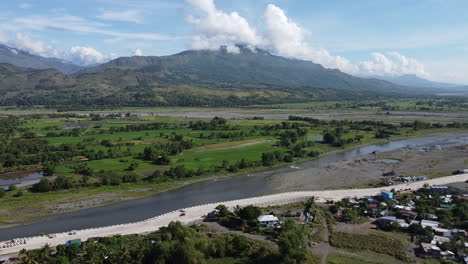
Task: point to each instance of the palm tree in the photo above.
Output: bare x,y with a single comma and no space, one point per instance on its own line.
27,257
45,253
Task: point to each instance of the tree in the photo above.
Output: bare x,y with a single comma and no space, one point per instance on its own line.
223,211
162,160
250,213
11,187
349,215
291,244
133,166
2,192
43,185
48,169
27,257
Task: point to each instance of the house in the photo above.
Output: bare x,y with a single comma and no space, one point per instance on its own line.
402,223
438,188
4,259
388,219
448,255
268,220
410,214
459,232
465,260
447,206
439,240
429,251
432,217
430,223
387,195
442,232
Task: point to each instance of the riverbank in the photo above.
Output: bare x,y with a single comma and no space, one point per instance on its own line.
196,213
264,180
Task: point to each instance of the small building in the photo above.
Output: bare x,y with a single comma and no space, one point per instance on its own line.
448,255
429,251
459,232
447,206
432,224
388,219
439,240
387,195
438,188
402,223
432,217
421,178
268,220
73,242
442,232
410,214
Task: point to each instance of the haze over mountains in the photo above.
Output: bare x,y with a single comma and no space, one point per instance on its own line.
189,78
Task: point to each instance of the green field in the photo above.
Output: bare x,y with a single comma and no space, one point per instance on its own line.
134,156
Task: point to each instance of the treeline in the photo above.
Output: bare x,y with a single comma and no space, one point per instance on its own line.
172,244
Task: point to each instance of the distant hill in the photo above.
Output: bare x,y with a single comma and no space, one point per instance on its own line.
416,81
24,59
192,78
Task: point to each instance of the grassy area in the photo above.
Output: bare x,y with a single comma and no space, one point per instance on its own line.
346,259
374,242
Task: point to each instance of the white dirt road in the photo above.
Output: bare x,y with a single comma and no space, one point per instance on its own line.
196,213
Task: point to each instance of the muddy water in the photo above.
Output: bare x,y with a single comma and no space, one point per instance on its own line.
210,191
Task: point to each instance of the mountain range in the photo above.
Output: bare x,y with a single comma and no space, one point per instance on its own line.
24,59
190,78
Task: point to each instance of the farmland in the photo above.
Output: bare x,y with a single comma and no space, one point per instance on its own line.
103,157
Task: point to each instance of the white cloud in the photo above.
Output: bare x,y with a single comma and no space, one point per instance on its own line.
392,64
215,28
77,54
137,52
134,16
287,39
33,46
87,56
75,24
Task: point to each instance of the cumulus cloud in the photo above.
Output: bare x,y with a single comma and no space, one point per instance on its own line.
215,28
392,64
33,46
137,52
134,16
285,37
87,56
76,54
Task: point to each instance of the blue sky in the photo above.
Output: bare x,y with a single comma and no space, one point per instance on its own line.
375,37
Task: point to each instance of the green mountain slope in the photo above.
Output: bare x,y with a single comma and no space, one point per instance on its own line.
246,68
190,78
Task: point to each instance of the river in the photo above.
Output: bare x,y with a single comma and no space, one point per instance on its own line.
209,191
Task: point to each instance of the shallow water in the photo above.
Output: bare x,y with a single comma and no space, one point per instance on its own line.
209,191
23,181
